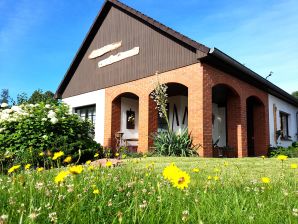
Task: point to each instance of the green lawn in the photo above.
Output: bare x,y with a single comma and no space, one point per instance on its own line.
136,193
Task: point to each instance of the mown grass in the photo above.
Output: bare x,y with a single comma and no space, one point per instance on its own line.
137,193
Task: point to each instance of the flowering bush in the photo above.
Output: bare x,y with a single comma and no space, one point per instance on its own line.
32,133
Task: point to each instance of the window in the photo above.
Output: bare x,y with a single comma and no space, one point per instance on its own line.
87,112
284,125
130,119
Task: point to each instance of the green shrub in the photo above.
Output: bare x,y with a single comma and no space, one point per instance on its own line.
291,151
28,131
169,143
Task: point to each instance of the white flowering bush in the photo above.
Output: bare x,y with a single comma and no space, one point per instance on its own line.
31,133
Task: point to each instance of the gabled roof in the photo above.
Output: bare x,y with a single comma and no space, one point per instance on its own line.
203,52
201,49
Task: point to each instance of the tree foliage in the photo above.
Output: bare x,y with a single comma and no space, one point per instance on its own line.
295,94
40,96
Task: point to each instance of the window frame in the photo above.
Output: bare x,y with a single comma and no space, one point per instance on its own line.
87,108
286,115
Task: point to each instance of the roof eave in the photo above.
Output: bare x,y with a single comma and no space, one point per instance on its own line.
271,88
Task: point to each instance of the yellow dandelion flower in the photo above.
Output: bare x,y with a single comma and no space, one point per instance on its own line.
216,178
282,157
88,162
176,176
68,159
96,155
181,180
265,180
170,171
263,157
209,178
117,154
294,166
76,169
226,163
41,154
61,176
109,164
57,155
39,169
195,170
27,166
13,168
95,191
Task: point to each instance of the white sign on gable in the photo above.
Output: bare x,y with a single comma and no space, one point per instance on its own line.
118,57
101,51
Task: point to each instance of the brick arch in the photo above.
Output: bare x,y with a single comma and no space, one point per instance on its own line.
168,80
153,118
136,90
213,76
116,115
189,76
234,88
232,101
256,126
259,99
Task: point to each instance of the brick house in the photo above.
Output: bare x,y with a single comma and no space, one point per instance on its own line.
218,99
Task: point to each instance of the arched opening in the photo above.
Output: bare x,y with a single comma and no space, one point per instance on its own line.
125,121
255,115
177,111
225,120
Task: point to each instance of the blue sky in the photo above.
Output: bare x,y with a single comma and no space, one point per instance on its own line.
39,38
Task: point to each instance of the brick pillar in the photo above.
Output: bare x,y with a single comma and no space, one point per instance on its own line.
153,121
200,112
116,120
234,131
143,123
207,120
242,130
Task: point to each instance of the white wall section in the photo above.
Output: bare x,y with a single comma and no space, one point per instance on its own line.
282,106
97,98
128,104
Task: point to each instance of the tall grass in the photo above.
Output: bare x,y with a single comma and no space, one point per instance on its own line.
137,193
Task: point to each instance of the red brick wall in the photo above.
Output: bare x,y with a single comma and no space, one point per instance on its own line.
116,120
237,133
189,76
199,78
233,119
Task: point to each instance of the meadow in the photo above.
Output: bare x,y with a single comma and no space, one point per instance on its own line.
247,190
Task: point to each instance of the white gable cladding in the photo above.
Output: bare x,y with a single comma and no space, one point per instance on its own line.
91,98
282,106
